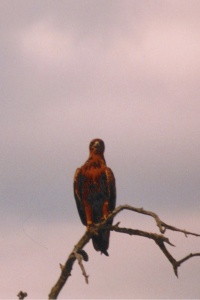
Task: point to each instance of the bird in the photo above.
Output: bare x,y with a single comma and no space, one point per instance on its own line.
95,193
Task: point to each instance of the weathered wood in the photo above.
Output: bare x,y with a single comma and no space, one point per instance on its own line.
79,254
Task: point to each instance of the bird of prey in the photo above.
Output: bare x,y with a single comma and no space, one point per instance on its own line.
95,193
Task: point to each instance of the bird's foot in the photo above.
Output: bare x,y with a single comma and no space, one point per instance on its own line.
104,218
89,224
92,229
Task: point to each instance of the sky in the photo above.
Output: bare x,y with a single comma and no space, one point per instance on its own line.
125,71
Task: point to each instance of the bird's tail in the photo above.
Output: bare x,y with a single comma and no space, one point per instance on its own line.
101,241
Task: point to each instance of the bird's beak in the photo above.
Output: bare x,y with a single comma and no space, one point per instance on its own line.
96,144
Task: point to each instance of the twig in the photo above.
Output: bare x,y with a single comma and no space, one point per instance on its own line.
79,258
66,269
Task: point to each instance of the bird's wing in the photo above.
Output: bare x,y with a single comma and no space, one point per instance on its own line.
78,182
111,188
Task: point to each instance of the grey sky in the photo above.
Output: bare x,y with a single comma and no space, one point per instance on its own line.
124,71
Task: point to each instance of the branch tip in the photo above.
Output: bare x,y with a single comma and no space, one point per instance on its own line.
176,271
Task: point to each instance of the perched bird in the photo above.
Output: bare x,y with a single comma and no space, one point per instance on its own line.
95,193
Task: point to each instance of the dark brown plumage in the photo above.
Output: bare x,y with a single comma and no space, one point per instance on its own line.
95,193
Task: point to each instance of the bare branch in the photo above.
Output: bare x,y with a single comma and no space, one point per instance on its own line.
154,236
66,269
161,225
79,254
159,240
80,258
187,257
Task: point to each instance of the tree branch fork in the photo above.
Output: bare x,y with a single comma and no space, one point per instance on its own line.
160,239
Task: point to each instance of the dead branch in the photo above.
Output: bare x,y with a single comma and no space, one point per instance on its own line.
79,254
66,269
161,225
154,236
159,240
80,258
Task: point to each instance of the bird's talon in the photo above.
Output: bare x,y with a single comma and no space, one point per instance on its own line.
88,227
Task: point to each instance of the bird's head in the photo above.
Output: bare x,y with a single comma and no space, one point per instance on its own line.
97,146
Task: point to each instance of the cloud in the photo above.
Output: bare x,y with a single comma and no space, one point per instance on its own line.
45,44
124,71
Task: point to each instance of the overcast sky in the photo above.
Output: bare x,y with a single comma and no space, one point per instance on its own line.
124,71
